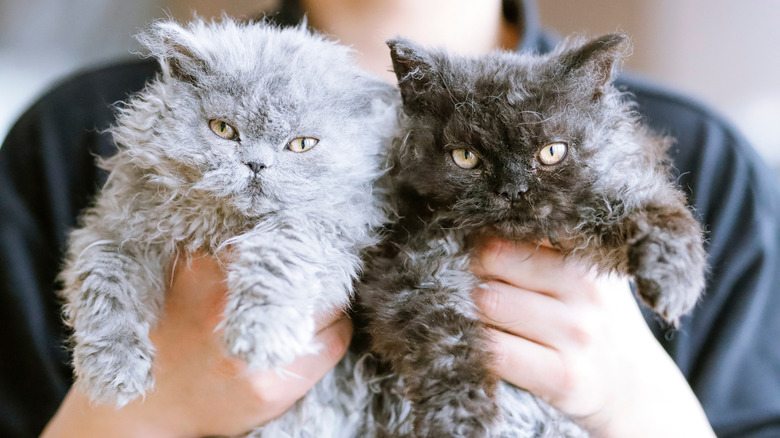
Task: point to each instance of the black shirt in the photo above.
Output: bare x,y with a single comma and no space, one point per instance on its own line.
728,348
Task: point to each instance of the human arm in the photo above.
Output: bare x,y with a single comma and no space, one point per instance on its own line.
727,348
47,175
198,391
578,340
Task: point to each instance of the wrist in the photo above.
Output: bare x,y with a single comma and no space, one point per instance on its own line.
656,401
77,416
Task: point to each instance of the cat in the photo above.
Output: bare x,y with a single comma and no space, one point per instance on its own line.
525,147
255,144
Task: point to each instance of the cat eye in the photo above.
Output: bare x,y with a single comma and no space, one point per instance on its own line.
553,153
465,158
302,144
223,129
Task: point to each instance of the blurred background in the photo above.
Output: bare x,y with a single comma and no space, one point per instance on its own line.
725,53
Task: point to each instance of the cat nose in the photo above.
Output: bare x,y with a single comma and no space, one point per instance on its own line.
256,166
513,192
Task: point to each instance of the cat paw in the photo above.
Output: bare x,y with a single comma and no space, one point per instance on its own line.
115,369
470,413
669,276
269,337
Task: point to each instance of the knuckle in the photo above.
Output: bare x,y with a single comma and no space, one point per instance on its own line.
266,391
489,301
490,253
336,344
567,382
582,329
581,333
228,367
593,290
567,378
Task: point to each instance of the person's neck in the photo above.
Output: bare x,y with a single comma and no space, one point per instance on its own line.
465,27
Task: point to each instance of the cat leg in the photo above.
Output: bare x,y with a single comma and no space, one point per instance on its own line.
336,407
112,353
666,257
278,280
424,322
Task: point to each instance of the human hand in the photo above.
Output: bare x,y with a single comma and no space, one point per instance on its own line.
198,391
577,340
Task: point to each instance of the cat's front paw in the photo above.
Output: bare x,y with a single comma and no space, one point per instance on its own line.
669,275
269,337
115,369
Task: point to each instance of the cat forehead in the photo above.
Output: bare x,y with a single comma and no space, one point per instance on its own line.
279,99
259,67
519,120
263,50
515,89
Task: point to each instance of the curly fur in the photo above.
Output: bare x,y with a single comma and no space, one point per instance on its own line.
362,398
610,202
289,234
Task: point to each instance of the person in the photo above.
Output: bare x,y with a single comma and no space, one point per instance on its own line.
576,339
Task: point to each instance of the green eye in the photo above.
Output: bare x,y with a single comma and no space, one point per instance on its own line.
464,158
223,129
302,144
553,153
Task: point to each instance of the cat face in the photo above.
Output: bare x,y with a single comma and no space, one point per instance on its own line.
516,142
261,117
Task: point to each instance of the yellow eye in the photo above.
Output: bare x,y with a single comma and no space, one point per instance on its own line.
223,129
302,144
553,153
465,158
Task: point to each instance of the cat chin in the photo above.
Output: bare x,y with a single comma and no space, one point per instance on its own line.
519,223
509,220
526,230
255,205
515,228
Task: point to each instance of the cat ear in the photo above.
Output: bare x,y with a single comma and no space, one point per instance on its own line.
177,49
414,67
594,62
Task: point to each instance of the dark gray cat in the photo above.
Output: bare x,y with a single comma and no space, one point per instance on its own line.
524,147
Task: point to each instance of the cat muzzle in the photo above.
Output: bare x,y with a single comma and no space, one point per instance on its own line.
513,192
256,167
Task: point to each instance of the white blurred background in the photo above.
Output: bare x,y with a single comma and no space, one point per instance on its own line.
725,53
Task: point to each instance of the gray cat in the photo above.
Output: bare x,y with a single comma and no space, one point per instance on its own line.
256,144
525,147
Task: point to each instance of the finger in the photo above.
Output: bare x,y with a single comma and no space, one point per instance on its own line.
530,266
526,364
328,317
196,276
307,370
272,393
197,292
537,317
